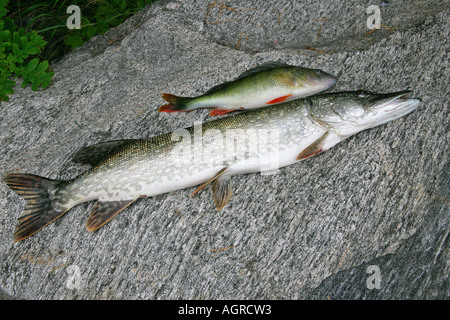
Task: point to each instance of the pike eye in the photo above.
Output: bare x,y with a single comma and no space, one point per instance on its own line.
362,94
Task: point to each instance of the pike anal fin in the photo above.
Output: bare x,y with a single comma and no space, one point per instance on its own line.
105,211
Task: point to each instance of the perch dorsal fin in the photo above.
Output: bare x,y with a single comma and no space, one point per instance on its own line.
263,67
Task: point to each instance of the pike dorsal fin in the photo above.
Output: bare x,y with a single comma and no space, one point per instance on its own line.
105,211
94,154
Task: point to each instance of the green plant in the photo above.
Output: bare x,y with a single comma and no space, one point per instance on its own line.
17,48
102,16
43,32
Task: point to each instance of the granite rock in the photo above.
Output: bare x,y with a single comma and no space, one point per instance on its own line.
315,230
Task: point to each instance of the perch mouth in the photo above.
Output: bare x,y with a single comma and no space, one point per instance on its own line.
322,80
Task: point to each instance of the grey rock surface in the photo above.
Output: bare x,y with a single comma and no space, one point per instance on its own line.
311,231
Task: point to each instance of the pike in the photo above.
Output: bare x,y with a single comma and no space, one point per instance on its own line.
125,170
268,84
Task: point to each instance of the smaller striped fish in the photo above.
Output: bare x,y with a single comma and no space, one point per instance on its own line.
268,84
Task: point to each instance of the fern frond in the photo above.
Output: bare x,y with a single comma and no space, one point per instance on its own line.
37,73
17,47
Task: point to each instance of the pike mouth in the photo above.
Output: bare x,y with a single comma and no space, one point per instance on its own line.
385,100
391,106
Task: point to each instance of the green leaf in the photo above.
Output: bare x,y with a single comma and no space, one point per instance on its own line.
37,73
16,56
6,86
31,43
36,40
123,4
106,11
17,47
3,10
7,24
140,4
120,5
90,32
5,35
74,40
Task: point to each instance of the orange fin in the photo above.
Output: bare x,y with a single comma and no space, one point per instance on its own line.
221,189
171,98
171,108
314,148
280,99
219,112
176,104
202,186
105,211
39,211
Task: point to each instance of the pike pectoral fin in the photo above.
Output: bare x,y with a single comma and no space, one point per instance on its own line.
96,153
314,148
105,211
221,189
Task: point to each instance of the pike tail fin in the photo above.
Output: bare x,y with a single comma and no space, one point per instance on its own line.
176,104
38,193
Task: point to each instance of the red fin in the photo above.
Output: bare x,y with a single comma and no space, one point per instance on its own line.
169,97
280,99
171,108
308,155
105,211
176,104
315,148
219,112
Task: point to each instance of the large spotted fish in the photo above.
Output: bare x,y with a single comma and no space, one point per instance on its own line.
251,141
